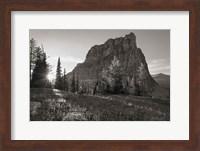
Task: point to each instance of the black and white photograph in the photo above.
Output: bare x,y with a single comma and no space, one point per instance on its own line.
99,75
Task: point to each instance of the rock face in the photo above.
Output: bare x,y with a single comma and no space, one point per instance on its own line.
116,67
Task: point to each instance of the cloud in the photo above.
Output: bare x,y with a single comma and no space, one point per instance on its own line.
156,63
159,65
160,68
157,60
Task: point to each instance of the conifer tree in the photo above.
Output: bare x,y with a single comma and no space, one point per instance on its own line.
118,85
73,87
58,82
40,72
137,88
65,84
77,84
32,54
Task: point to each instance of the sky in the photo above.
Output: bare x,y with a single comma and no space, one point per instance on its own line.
72,45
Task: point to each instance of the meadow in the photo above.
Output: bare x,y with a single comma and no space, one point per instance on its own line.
56,105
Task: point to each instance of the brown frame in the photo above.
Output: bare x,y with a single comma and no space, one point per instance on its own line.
6,6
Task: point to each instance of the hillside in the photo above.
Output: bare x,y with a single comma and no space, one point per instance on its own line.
163,88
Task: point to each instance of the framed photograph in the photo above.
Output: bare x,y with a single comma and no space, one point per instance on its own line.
100,75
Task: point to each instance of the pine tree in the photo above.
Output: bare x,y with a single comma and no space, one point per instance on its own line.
65,84
58,82
137,88
95,87
77,84
32,50
40,72
73,87
33,55
118,85
45,71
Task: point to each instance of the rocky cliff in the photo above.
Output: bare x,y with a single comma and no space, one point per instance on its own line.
118,66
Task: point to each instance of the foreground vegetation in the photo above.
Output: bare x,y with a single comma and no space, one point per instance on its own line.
56,105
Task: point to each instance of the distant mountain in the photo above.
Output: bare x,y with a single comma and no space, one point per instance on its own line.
162,79
118,67
163,88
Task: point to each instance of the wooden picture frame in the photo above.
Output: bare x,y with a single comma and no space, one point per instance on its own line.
193,6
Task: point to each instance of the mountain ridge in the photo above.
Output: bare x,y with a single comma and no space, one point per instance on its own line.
163,88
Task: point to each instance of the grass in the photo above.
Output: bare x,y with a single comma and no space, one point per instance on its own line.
48,105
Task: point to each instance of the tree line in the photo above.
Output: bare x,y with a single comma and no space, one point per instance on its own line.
39,70
61,81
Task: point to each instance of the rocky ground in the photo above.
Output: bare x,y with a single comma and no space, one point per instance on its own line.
56,105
